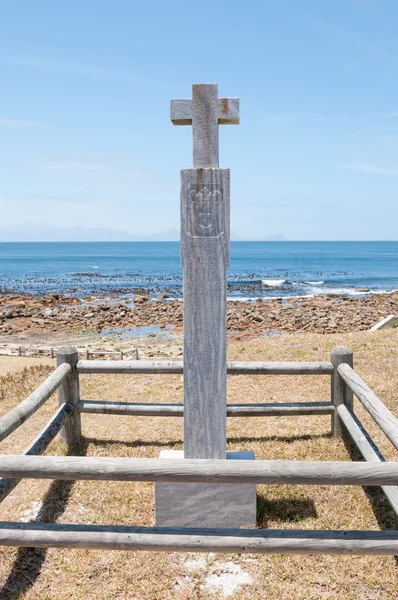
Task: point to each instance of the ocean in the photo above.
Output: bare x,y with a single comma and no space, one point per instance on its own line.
258,269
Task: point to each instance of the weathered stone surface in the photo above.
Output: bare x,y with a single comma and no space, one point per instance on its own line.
204,259
205,505
205,112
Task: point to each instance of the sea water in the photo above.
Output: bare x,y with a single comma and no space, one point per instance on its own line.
258,269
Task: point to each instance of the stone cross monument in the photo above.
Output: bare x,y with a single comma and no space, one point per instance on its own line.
205,259
205,241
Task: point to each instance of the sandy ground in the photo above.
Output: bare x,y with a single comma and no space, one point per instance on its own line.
13,364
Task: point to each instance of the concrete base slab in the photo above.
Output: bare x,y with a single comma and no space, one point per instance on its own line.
205,504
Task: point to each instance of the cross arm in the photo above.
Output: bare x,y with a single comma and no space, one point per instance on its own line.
181,112
228,111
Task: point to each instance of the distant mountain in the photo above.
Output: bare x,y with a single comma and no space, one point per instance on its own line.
43,233
170,235
31,232
278,237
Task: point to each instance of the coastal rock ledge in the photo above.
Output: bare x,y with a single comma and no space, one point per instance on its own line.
322,314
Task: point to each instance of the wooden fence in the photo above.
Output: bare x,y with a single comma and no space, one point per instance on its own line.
345,384
17,350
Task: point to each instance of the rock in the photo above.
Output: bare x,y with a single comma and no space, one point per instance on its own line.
141,299
258,317
50,312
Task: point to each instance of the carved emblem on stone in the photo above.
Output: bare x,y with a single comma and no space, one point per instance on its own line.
205,212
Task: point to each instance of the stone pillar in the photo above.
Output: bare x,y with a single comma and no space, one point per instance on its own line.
204,259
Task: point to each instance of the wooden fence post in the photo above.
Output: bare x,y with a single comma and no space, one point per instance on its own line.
340,393
69,392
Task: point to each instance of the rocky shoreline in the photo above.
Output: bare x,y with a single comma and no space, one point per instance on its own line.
321,314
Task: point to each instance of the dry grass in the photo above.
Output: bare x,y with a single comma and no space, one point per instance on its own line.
13,364
85,574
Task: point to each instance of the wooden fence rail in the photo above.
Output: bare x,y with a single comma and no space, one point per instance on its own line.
274,409
9,348
375,407
18,415
176,367
39,445
367,448
89,353
262,541
286,472
15,349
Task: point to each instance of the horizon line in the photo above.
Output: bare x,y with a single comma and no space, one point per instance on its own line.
178,241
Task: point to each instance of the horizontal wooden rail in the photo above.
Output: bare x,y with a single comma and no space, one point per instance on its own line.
39,445
18,348
375,407
18,415
261,541
102,352
129,367
176,367
367,448
199,470
276,409
279,368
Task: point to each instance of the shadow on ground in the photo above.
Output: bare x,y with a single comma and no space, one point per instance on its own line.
29,561
287,510
384,514
179,442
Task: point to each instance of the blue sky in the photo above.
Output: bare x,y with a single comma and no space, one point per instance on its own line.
85,135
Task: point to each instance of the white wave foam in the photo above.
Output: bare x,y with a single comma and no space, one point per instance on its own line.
252,299
326,291
342,291
383,292
273,282
314,282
